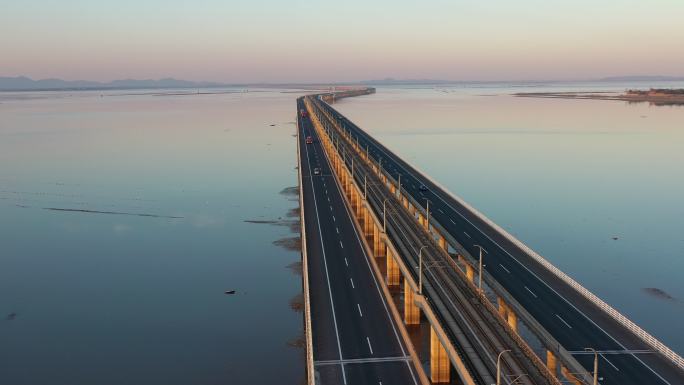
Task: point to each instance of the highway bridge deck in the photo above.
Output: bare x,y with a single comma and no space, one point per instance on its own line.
573,320
355,340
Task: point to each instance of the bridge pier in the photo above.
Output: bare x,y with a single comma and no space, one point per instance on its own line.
569,376
393,272
470,272
507,314
439,360
551,362
411,311
443,243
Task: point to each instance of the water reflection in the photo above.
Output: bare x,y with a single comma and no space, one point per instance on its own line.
91,297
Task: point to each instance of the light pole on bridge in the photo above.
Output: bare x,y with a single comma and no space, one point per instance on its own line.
480,277
595,364
498,367
420,270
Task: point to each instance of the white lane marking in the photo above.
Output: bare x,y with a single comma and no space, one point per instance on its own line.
346,262
333,218
452,221
375,280
359,307
328,199
327,275
337,229
352,283
504,267
369,345
467,235
535,275
566,324
440,210
608,361
330,208
531,292
341,245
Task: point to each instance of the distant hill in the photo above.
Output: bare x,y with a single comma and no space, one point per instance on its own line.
642,78
23,83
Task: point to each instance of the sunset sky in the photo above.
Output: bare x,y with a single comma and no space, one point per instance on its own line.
319,41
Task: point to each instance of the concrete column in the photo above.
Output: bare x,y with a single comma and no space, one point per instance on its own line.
439,361
392,269
443,243
411,311
512,319
470,272
376,241
502,307
551,362
569,376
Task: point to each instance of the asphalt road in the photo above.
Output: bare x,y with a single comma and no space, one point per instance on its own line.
355,339
571,319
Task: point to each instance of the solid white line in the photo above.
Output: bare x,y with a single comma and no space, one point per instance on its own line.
352,283
346,262
608,361
452,221
369,345
359,307
566,324
467,235
531,292
325,263
504,267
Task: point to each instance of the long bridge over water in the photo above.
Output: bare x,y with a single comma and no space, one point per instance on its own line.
405,283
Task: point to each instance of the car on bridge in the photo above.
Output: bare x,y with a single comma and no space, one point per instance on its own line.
423,187
309,140
317,171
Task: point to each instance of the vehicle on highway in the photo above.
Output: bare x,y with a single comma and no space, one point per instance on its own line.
423,188
304,113
309,140
317,171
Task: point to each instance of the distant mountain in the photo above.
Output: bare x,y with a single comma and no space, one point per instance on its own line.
642,78
23,83
391,81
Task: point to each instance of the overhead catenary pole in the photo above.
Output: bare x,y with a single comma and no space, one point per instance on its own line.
420,270
479,284
595,364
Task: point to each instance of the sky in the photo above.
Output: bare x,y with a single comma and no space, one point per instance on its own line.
341,41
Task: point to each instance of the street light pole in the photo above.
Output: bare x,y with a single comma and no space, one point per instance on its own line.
595,364
399,186
480,278
420,270
498,367
365,189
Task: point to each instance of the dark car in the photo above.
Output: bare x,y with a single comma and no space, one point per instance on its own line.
423,188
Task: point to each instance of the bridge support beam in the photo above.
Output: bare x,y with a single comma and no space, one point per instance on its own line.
439,360
393,272
411,311
512,319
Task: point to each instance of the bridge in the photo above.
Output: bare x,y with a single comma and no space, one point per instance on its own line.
405,283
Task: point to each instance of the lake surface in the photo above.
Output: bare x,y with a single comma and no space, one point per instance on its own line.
564,176
131,290
127,286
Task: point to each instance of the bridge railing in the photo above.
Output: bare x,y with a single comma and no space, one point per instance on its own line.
612,312
310,373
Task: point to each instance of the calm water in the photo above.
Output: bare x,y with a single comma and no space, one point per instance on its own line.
564,176
103,298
